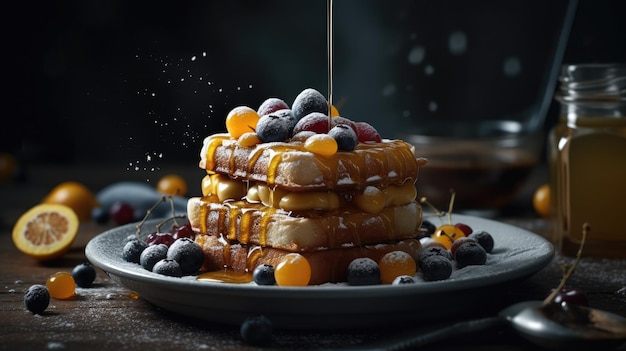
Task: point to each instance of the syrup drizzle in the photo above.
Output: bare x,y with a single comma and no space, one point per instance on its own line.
368,164
330,54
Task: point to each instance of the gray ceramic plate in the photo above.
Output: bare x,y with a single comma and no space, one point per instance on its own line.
517,254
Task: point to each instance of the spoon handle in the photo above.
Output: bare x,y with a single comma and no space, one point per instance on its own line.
451,331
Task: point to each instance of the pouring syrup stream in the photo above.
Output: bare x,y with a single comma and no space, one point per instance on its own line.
329,49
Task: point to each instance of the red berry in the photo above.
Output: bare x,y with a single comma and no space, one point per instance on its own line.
183,231
465,228
121,213
367,133
271,105
160,238
571,296
315,122
458,242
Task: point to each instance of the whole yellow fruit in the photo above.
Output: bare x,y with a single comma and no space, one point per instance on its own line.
240,120
541,200
74,195
173,185
8,163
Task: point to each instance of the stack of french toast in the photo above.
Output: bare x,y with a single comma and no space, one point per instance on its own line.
263,200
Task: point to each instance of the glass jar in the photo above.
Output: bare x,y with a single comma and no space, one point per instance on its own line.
587,156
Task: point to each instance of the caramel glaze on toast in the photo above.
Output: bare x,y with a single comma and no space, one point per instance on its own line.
250,223
290,166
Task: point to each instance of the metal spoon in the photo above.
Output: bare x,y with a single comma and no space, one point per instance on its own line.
551,326
566,325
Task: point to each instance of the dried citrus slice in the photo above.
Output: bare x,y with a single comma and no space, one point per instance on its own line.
46,231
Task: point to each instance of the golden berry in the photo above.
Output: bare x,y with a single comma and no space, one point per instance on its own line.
321,144
61,285
394,264
293,270
240,120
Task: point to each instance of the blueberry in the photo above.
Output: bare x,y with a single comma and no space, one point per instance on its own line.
345,136
100,215
132,250
167,267
257,331
309,100
84,274
433,251
276,126
37,299
187,253
151,255
484,239
403,280
428,226
436,267
363,271
470,253
264,275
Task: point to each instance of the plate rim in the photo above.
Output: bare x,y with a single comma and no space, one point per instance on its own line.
331,290
126,274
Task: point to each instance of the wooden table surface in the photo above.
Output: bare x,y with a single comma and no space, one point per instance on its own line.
107,316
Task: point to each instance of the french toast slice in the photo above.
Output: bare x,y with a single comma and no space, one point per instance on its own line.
290,166
327,266
306,231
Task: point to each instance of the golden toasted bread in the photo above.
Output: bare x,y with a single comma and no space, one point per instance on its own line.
326,265
290,166
255,223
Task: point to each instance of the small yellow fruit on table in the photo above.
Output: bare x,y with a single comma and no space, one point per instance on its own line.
541,200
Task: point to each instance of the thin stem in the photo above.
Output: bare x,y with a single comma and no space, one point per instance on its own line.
174,216
158,226
148,213
570,271
425,201
450,206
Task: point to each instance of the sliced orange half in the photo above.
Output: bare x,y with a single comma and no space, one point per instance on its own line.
46,231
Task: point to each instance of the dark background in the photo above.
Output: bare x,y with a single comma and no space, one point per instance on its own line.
135,83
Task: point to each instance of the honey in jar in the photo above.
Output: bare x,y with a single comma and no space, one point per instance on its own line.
588,160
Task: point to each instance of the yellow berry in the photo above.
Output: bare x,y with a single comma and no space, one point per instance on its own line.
334,112
248,139
173,185
293,270
446,234
240,120
8,164
321,144
61,285
541,200
394,264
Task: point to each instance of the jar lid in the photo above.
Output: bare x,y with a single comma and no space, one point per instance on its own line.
593,81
